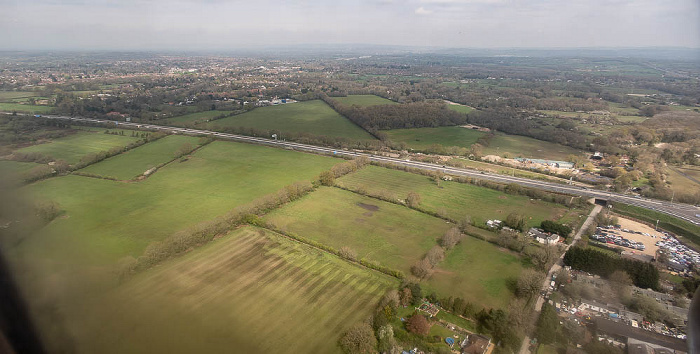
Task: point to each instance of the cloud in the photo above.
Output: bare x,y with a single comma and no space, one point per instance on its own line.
422,11
457,2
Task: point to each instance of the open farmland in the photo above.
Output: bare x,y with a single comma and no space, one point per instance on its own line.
15,167
135,162
310,117
522,146
459,107
11,95
392,235
423,138
478,272
107,220
363,100
73,147
195,117
24,108
454,199
684,180
251,290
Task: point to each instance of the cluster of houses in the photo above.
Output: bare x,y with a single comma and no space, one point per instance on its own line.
543,237
610,234
680,257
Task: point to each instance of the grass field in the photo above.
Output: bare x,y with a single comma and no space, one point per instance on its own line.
135,162
460,108
194,117
10,95
522,146
312,117
107,220
681,183
73,147
456,199
24,108
251,291
15,167
363,100
390,234
423,138
478,272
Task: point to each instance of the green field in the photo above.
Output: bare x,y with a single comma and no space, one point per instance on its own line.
423,138
456,199
73,147
135,162
24,108
460,108
251,291
363,100
15,167
107,220
523,146
682,183
312,117
11,95
478,272
390,234
194,117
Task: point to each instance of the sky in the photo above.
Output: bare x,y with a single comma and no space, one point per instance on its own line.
228,25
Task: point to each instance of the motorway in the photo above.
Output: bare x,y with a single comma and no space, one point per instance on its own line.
682,211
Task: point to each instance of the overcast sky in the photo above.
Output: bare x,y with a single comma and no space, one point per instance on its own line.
220,24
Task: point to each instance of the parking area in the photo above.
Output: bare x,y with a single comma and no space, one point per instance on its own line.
630,235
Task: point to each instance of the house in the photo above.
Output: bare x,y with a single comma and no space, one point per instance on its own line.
542,237
534,232
597,155
475,344
494,223
549,240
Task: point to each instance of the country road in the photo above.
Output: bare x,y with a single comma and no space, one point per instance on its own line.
524,347
682,211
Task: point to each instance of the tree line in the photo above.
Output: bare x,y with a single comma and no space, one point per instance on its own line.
643,274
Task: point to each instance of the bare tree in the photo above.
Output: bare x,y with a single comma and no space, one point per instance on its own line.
422,269
347,253
451,238
435,255
413,199
359,339
529,283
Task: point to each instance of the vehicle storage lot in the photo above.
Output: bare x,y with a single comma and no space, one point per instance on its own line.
648,241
